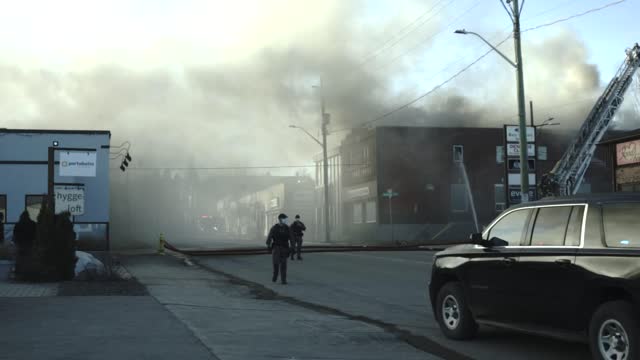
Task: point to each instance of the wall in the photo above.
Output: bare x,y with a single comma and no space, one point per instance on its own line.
23,165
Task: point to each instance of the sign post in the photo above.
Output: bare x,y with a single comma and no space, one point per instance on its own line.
74,162
513,163
390,195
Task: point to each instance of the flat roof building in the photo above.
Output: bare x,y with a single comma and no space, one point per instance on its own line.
24,178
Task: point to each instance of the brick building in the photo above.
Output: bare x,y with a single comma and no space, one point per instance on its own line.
424,166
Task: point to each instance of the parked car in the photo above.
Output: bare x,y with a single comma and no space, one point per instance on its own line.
565,267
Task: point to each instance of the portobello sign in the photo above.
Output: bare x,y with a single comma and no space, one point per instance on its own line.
78,163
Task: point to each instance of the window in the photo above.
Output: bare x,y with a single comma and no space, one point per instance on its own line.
3,208
499,197
458,153
459,200
575,227
371,211
620,224
593,227
33,204
357,213
550,226
510,227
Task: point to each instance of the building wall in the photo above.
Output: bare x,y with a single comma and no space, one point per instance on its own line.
23,164
418,164
23,169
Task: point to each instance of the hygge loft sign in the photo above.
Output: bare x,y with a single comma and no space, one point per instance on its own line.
513,134
69,199
628,153
78,163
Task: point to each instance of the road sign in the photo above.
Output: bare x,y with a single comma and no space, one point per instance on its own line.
514,164
390,194
69,199
515,195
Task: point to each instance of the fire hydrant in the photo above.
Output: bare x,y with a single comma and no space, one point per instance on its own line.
161,245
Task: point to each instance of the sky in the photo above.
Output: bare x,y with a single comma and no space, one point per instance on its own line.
196,83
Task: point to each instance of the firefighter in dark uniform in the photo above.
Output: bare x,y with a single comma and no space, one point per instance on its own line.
278,244
298,229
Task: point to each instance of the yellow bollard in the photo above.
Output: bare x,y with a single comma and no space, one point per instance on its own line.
161,245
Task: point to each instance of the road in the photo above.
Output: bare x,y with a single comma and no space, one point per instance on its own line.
386,289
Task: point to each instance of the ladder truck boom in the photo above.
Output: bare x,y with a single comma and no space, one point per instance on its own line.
566,176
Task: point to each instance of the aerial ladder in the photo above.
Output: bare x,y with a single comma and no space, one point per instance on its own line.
566,176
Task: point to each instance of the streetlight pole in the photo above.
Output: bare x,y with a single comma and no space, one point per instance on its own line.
324,117
514,13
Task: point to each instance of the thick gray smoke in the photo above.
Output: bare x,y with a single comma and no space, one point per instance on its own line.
235,111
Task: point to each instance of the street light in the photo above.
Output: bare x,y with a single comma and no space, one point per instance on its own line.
325,121
548,122
514,14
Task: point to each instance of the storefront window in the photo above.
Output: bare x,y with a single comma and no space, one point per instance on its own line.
33,205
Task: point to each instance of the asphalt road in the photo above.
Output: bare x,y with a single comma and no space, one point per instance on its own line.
387,289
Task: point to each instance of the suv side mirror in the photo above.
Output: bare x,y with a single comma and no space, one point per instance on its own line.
476,238
497,242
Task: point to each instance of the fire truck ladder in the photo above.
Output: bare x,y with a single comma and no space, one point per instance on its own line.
566,176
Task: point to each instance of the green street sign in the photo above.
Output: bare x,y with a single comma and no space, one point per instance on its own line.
390,194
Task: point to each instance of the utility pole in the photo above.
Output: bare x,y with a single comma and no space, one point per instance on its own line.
524,156
324,117
531,112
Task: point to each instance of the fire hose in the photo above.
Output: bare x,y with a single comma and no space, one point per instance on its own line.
307,249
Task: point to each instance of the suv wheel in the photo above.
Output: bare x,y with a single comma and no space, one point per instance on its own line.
453,314
613,332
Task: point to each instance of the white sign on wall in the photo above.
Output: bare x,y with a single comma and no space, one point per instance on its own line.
514,179
78,163
514,150
513,134
69,199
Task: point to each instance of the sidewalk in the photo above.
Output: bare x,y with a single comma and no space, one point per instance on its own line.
38,323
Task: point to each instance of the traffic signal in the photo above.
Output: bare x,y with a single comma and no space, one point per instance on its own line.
125,162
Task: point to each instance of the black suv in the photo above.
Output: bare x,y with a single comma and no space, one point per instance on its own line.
565,267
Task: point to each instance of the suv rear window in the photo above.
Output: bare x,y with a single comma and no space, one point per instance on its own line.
621,228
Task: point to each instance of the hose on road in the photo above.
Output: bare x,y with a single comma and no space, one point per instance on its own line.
306,249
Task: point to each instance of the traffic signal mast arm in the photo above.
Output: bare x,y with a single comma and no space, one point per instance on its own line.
566,176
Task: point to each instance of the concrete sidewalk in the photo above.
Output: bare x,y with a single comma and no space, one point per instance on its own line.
39,325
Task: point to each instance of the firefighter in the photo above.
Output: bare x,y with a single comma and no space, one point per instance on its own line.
298,229
278,244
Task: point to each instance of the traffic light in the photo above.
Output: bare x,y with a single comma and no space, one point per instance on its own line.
125,162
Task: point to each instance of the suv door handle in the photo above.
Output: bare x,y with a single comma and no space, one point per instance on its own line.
509,260
563,261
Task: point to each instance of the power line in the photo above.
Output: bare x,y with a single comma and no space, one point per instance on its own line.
393,42
431,37
551,9
576,15
437,87
238,167
434,89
